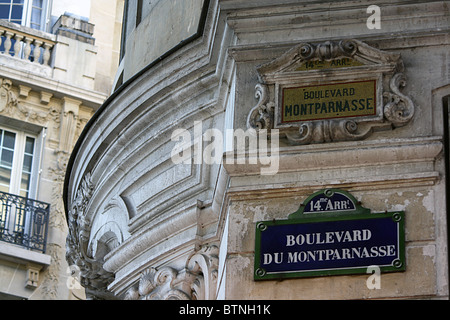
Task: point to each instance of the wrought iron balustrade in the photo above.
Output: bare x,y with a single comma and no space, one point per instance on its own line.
24,221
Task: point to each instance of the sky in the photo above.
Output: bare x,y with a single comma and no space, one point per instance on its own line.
78,7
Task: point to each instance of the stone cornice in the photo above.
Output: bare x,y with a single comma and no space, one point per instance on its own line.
401,161
89,98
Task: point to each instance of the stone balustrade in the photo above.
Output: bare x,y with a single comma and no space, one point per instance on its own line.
25,43
67,54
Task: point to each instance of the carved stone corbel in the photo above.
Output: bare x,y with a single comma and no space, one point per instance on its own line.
159,284
204,265
261,116
393,109
197,281
92,275
399,109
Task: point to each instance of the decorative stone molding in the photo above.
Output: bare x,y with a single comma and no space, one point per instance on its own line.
92,275
204,264
399,109
67,119
32,276
393,108
8,99
163,284
262,115
10,106
197,281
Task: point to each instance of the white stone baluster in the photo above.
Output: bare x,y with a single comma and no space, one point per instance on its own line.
18,45
37,50
7,43
46,56
27,49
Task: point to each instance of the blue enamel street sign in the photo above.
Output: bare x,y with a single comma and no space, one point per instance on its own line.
331,234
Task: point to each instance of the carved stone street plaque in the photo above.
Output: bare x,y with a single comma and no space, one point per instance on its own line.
328,101
331,91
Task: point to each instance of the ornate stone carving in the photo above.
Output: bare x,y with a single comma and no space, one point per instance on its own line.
10,106
204,264
328,131
163,284
394,109
261,116
197,281
399,109
8,99
92,275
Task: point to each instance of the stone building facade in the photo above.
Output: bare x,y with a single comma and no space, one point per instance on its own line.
56,69
204,139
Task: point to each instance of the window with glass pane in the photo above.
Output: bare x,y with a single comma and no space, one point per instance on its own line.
7,143
27,167
12,10
16,162
30,13
17,11
36,14
5,9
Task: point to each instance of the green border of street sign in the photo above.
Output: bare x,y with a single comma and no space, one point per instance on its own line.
298,217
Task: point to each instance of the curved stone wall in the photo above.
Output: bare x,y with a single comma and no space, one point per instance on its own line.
152,217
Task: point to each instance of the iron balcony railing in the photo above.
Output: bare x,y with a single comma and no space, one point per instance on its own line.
24,221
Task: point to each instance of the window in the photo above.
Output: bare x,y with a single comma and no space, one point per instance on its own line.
17,155
23,220
30,13
37,14
12,10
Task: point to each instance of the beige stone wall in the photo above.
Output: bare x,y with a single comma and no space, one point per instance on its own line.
154,216
61,119
55,102
419,280
107,18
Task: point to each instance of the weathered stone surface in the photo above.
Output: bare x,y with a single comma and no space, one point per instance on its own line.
229,78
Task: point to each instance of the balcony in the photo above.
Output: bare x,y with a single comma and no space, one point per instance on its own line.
28,49
67,55
25,43
24,222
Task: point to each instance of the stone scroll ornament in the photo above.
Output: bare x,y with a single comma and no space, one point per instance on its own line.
197,281
394,109
92,275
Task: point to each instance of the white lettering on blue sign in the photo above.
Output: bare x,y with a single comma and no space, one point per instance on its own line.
328,237
329,254
329,205
323,203
311,246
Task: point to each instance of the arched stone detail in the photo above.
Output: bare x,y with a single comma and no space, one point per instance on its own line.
198,281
